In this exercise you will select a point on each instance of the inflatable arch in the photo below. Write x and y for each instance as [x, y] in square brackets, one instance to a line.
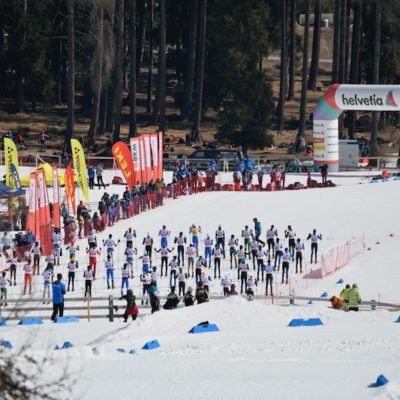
[337, 99]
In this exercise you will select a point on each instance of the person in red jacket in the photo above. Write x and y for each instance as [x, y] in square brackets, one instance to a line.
[131, 307]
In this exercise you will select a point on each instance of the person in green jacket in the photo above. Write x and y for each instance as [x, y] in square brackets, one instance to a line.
[343, 293]
[353, 298]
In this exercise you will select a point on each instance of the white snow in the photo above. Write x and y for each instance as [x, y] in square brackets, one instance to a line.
[255, 354]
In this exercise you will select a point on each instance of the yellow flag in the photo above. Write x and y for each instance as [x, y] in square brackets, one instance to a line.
[80, 167]
[11, 157]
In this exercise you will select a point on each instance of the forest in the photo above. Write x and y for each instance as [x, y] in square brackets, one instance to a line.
[123, 65]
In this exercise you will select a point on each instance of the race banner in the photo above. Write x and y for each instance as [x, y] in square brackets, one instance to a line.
[46, 239]
[135, 152]
[142, 160]
[44, 209]
[15, 176]
[154, 153]
[56, 199]
[160, 154]
[70, 188]
[147, 151]
[80, 167]
[11, 157]
[30, 220]
[123, 158]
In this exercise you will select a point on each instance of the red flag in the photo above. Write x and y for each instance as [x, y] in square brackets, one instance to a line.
[123, 158]
[30, 222]
[135, 152]
[160, 155]
[56, 199]
[44, 212]
[70, 188]
[154, 154]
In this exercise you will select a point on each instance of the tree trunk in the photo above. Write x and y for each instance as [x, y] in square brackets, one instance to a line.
[373, 149]
[140, 32]
[119, 67]
[201, 50]
[149, 107]
[354, 63]
[292, 49]
[190, 63]
[342, 44]
[162, 73]
[96, 79]
[283, 67]
[312, 80]
[20, 68]
[336, 41]
[347, 45]
[132, 78]
[71, 74]
[300, 139]
[103, 110]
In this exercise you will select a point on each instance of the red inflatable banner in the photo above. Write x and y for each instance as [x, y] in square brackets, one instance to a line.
[123, 158]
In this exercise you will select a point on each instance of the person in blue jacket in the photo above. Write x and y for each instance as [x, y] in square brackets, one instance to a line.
[58, 297]
[90, 173]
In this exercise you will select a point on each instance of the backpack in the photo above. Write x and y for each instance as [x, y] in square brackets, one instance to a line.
[117, 181]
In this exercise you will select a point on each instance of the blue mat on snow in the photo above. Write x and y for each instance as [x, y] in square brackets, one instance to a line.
[31, 321]
[380, 381]
[203, 328]
[305, 322]
[151, 345]
[64, 320]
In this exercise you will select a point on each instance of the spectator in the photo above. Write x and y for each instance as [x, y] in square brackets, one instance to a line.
[131, 307]
[91, 177]
[353, 298]
[201, 294]
[99, 174]
[172, 300]
[324, 173]
[42, 139]
[188, 299]
[58, 297]
[233, 291]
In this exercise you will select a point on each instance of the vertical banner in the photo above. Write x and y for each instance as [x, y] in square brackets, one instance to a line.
[30, 221]
[70, 188]
[142, 160]
[44, 210]
[154, 153]
[135, 151]
[37, 217]
[11, 157]
[56, 199]
[123, 158]
[147, 151]
[160, 155]
[80, 167]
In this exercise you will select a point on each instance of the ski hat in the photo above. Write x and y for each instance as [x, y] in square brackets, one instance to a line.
[190, 289]
[129, 291]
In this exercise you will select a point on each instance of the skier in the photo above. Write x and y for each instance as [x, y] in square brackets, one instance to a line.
[181, 241]
[130, 252]
[205, 279]
[72, 250]
[109, 271]
[50, 261]
[188, 299]
[148, 245]
[129, 236]
[37, 252]
[173, 268]
[199, 268]
[233, 243]
[217, 254]
[164, 234]
[181, 282]
[28, 270]
[93, 253]
[13, 267]
[110, 245]
[220, 239]
[271, 233]
[125, 278]
[154, 274]
[299, 255]
[278, 253]
[146, 262]
[243, 267]
[154, 297]
[195, 232]
[56, 240]
[71, 266]
[92, 240]
[191, 252]
[250, 288]
[146, 280]
[286, 258]
[314, 244]
[246, 235]
[254, 249]
[164, 258]
[257, 231]
[260, 262]
[291, 236]
[208, 243]
[225, 283]
[4, 283]
[131, 307]
[269, 277]
[88, 276]
[47, 279]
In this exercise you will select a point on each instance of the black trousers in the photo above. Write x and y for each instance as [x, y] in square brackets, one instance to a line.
[100, 181]
[260, 267]
[164, 261]
[57, 309]
[181, 255]
[268, 281]
[91, 182]
[243, 280]
[314, 250]
[292, 245]
[221, 243]
[271, 244]
[285, 271]
[172, 278]
[254, 256]
[198, 275]
[181, 288]
[88, 288]
[299, 260]
[149, 249]
[217, 264]
[71, 279]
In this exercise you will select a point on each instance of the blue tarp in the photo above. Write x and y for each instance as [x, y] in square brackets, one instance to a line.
[7, 192]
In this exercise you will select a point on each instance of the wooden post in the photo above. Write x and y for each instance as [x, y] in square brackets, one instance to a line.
[373, 305]
[111, 308]
[88, 308]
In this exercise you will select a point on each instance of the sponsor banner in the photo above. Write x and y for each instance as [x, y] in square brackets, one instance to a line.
[154, 153]
[135, 152]
[44, 209]
[160, 154]
[147, 151]
[326, 144]
[15, 176]
[80, 167]
[56, 199]
[123, 158]
[11, 158]
[32, 201]
[142, 160]
[46, 239]
[70, 188]
[368, 97]
[318, 147]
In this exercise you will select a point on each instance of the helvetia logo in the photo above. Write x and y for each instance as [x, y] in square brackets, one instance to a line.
[357, 100]
[390, 101]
